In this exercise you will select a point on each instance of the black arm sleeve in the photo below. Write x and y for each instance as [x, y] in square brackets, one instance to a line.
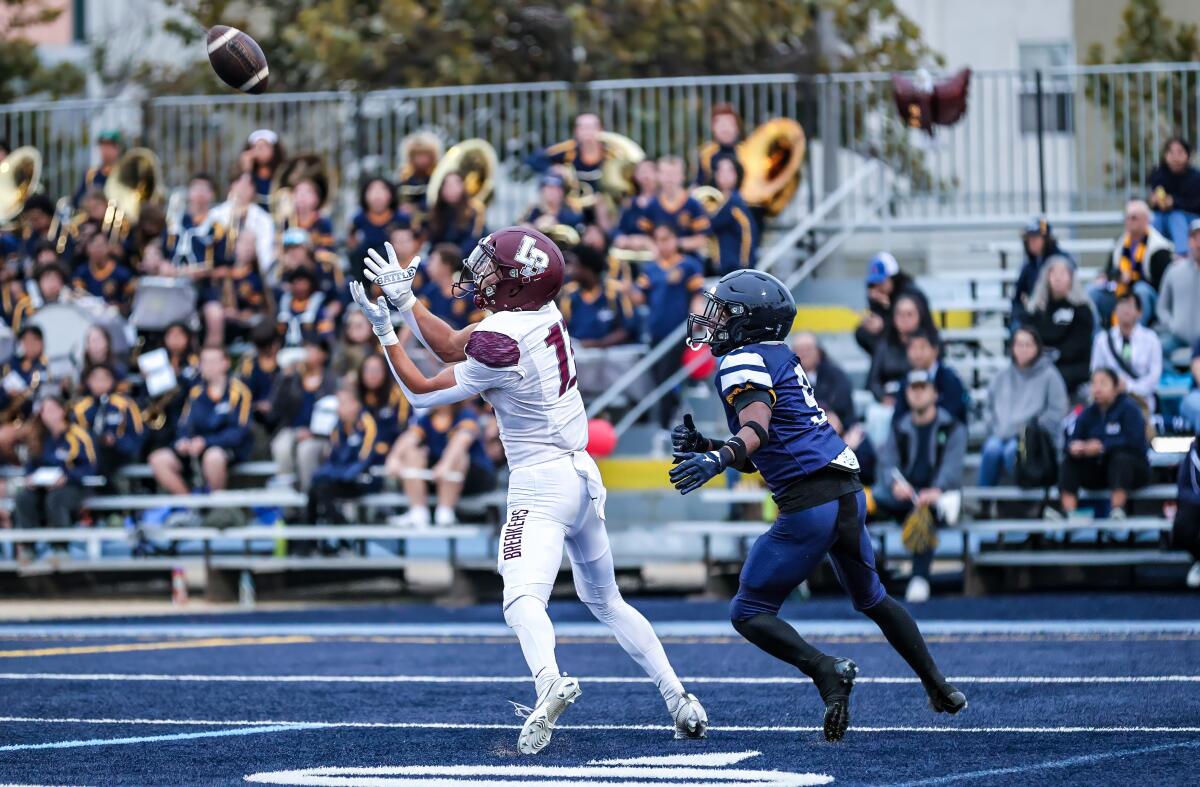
[740, 402]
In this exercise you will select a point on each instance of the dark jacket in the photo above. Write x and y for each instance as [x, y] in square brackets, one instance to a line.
[1067, 328]
[1184, 188]
[292, 405]
[73, 452]
[948, 448]
[1120, 428]
[352, 451]
[833, 390]
[889, 365]
[1028, 277]
[1189, 478]
[952, 394]
[116, 416]
[904, 285]
[223, 422]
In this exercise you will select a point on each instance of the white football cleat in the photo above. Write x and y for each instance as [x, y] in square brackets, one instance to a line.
[539, 724]
[690, 719]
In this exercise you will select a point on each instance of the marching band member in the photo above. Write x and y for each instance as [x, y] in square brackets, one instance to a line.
[108, 145]
[734, 228]
[379, 209]
[673, 206]
[727, 133]
[420, 154]
[262, 157]
[551, 207]
[456, 217]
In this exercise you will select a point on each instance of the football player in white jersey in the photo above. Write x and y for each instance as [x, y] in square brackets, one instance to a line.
[519, 359]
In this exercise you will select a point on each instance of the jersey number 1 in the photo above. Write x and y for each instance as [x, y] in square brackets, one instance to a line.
[557, 339]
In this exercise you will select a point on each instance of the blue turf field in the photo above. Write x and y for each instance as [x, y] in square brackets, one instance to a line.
[1090, 689]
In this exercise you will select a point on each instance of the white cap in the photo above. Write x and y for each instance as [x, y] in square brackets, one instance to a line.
[264, 134]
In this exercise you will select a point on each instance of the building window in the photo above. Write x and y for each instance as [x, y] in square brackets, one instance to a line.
[1058, 98]
[78, 23]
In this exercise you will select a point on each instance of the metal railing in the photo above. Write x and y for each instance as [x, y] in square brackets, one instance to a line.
[1061, 140]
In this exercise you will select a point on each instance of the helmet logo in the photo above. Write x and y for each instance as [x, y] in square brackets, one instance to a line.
[533, 260]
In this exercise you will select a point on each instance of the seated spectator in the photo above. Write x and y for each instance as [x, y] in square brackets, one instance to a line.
[214, 429]
[669, 287]
[551, 209]
[673, 206]
[15, 304]
[354, 448]
[923, 351]
[196, 243]
[51, 280]
[21, 377]
[1139, 260]
[259, 372]
[304, 310]
[1106, 447]
[1179, 298]
[831, 386]
[36, 217]
[455, 217]
[61, 456]
[885, 283]
[357, 343]
[1040, 246]
[98, 349]
[631, 230]
[295, 449]
[419, 155]
[162, 412]
[446, 441]
[1061, 314]
[1131, 350]
[113, 420]
[1030, 390]
[103, 277]
[597, 311]
[1185, 531]
[889, 364]
[240, 214]
[378, 212]
[734, 228]
[1174, 187]
[441, 270]
[381, 397]
[921, 461]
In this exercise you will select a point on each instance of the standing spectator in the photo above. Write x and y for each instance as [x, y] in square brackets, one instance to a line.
[1139, 260]
[889, 364]
[357, 343]
[675, 207]
[1031, 389]
[354, 448]
[631, 230]
[551, 208]
[108, 147]
[885, 284]
[378, 212]
[456, 217]
[446, 441]
[1185, 531]
[295, 449]
[921, 461]
[419, 153]
[214, 429]
[668, 287]
[1040, 246]
[726, 126]
[923, 351]
[1179, 298]
[442, 270]
[597, 311]
[308, 198]
[36, 216]
[1174, 187]
[831, 386]
[261, 159]
[103, 277]
[1061, 314]
[1131, 350]
[1106, 448]
[61, 456]
[113, 420]
[586, 154]
[734, 229]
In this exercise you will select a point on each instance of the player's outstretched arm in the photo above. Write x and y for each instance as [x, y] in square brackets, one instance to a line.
[695, 468]
[396, 281]
[420, 390]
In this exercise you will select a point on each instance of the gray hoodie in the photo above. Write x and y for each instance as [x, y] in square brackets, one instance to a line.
[1179, 299]
[1018, 395]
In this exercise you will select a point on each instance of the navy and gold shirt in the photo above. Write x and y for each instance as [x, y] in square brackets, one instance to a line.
[111, 282]
[197, 244]
[391, 413]
[353, 449]
[668, 286]
[258, 374]
[438, 425]
[73, 452]
[18, 404]
[114, 416]
[457, 312]
[736, 235]
[685, 214]
[318, 227]
[710, 153]
[223, 422]
[596, 313]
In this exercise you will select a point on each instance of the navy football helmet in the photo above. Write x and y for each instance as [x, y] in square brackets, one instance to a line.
[744, 307]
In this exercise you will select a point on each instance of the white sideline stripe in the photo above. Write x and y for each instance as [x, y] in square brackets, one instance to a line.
[677, 628]
[436, 725]
[146, 677]
[225, 38]
[259, 730]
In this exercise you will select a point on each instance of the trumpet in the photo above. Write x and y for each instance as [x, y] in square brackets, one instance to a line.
[20, 179]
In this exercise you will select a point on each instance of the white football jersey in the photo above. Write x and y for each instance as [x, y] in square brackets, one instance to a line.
[521, 363]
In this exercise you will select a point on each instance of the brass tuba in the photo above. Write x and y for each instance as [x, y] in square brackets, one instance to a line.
[136, 180]
[622, 155]
[475, 160]
[709, 197]
[772, 157]
[20, 179]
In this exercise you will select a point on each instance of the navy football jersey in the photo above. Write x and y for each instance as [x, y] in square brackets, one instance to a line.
[800, 440]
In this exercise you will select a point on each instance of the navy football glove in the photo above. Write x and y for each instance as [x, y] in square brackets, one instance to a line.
[686, 438]
[695, 470]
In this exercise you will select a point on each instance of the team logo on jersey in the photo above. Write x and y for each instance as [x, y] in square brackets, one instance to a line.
[510, 544]
[533, 260]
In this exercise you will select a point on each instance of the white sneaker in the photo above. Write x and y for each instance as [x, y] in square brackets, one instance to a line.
[416, 518]
[918, 590]
[539, 724]
[690, 719]
[1193, 577]
[444, 516]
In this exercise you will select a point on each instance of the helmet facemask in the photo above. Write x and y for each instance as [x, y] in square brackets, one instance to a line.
[712, 327]
[480, 275]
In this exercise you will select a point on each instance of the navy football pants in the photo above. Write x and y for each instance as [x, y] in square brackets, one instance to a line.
[785, 555]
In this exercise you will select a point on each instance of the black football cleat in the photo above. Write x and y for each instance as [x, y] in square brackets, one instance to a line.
[835, 683]
[946, 699]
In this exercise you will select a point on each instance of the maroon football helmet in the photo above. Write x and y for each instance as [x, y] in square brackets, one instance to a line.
[514, 269]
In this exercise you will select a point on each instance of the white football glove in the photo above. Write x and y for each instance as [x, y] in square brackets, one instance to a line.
[395, 281]
[377, 313]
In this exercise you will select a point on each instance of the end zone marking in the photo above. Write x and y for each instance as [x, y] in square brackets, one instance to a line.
[130, 647]
[183, 736]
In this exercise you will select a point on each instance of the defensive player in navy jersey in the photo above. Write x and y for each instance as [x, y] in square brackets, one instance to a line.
[779, 430]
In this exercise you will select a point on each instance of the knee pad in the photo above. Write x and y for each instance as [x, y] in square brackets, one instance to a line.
[746, 604]
[539, 594]
[606, 611]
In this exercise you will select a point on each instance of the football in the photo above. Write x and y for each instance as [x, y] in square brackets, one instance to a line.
[238, 59]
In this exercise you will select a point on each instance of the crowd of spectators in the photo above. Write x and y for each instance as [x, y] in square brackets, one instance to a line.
[266, 363]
